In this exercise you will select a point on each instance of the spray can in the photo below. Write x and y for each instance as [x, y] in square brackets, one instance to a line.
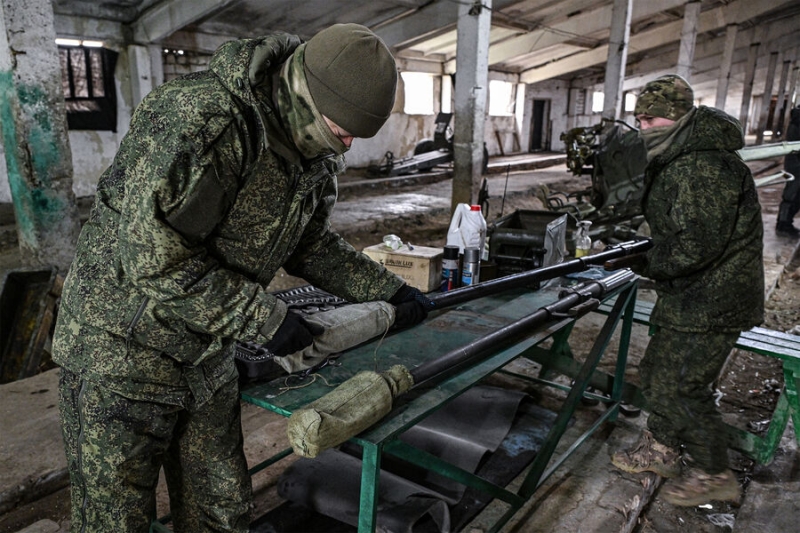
[472, 267]
[450, 274]
[583, 243]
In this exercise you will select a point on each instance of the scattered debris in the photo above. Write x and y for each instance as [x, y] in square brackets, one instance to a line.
[629, 507]
[722, 519]
[718, 394]
[758, 425]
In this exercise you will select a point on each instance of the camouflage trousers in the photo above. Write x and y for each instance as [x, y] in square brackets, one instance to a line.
[117, 446]
[677, 372]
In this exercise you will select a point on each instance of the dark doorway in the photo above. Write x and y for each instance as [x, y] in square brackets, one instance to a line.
[540, 132]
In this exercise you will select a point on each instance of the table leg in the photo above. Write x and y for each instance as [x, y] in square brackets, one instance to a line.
[370, 475]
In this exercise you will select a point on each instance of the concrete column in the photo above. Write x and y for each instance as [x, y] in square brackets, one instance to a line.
[767, 98]
[791, 86]
[572, 107]
[749, 78]
[792, 100]
[617, 57]
[471, 89]
[147, 70]
[691, 14]
[34, 134]
[156, 64]
[777, 121]
[725, 68]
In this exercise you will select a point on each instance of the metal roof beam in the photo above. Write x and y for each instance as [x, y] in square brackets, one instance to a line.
[573, 29]
[431, 19]
[737, 11]
[167, 17]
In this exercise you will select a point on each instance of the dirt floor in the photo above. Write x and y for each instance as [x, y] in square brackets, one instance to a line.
[749, 385]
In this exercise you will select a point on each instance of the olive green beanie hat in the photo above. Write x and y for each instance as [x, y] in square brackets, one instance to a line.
[352, 77]
[669, 96]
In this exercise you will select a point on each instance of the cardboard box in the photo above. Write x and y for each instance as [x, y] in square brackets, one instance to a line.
[420, 267]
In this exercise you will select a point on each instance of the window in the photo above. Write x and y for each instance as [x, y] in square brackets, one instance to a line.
[87, 78]
[630, 102]
[418, 93]
[447, 94]
[597, 102]
[501, 98]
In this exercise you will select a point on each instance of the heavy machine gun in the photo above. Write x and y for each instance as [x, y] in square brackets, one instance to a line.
[612, 153]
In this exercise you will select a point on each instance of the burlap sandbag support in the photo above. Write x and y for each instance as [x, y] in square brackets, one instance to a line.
[345, 327]
[349, 409]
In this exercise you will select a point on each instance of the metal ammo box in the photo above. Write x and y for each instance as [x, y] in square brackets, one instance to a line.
[527, 239]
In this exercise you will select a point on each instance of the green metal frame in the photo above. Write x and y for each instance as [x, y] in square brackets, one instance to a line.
[466, 323]
[787, 348]
[762, 341]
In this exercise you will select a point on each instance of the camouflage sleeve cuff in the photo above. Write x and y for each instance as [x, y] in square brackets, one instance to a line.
[276, 317]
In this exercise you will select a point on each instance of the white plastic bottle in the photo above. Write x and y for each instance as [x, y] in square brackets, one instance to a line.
[467, 228]
[583, 243]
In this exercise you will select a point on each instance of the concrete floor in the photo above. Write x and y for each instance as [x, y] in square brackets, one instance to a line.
[586, 494]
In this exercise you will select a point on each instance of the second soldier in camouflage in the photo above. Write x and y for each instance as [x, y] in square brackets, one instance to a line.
[701, 205]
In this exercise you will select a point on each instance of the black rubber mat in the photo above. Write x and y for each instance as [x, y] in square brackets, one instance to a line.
[518, 449]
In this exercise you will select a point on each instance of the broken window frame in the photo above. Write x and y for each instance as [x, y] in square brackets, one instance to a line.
[96, 109]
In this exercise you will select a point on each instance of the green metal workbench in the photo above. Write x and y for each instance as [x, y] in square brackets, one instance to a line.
[447, 330]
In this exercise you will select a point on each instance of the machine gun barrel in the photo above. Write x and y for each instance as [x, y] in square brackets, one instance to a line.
[485, 288]
[571, 302]
[767, 151]
[367, 397]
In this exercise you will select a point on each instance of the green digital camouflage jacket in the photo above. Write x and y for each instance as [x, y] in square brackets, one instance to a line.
[204, 202]
[705, 219]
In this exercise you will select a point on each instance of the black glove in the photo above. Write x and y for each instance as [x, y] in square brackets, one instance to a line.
[294, 334]
[411, 307]
[407, 293]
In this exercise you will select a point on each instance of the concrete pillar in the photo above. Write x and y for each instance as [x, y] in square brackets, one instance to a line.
[34, 134]
[147, 70]
[471, 89]
[747, 88]
[791, 94]
[777, 121]
[691, 14]
[767, 98]
[725, 67]
[617, 57]
[572, 106]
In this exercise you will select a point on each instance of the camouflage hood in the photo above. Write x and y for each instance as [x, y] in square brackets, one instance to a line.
[245, 64]
[267, 74]
[710, 129]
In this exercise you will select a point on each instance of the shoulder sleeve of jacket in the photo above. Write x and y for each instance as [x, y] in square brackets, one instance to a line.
[326, 260]
[701, 218]
[177, 171]
[196, 208]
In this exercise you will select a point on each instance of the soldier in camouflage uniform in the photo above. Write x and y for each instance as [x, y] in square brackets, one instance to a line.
[701, 205]
[225, 176]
